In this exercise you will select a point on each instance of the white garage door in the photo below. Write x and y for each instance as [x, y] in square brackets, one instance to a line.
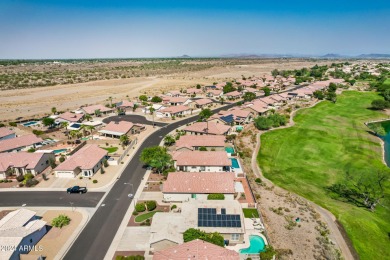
[64, 174]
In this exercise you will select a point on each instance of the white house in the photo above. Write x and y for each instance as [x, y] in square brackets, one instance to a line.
[201, 161]
[179, 110]
[194, 142]
[23, 162]
[183, 186]
[69, 117]
[87, 161]
[20, 231]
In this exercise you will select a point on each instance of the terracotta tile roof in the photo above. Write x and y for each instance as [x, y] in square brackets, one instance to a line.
[85, 158]
[277, 97]
[4, 131]
[215, 92]
[197, 250]
[71, 117]
[201, 140]
[233, 94]
[199, 182]
[268, 100]
[258, 106]
[237, 112]
[125, 103]
[213, 128]
[121, 127]
[93, 108]
[194, 91]
[21, 159]
[175, 109]
[177, 99]
[203, 101]
[18, 142]
[201, 158]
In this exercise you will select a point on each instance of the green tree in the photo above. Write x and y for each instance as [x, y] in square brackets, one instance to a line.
[214, 238]
[143, 98]
[135, 106]
[156, 157]
[267, 91]
[48, 121]
[228, 88]
[205, 114]
[330, 95]
[88, 117]
[386, 94]
[156, 99]
[319, 94]
[54, 110]
[275, 72]
[249, 96]
[377, 128]
[98, 113]
[169, 140]
[263, 123]
[268, 253]
[124, 140]
[380, 104]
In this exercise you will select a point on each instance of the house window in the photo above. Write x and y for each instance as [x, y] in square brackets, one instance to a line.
[202, 168]
[235, 237]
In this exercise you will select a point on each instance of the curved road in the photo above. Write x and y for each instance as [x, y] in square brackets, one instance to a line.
[96, 237]
[136, 119]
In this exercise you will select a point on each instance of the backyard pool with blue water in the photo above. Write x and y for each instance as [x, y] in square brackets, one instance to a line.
[229, 149]
[235, 163]
[30, 123]
[257, 245]
[59, 151]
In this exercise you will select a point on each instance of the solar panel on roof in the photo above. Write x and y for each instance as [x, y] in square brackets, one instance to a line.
[208, 217]
[223, 211]
[228, 118]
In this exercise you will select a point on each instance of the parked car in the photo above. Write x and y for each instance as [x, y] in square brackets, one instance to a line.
[76, 189]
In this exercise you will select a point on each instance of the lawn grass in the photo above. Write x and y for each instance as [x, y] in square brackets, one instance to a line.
[325, 142]
[250, 213]
[145, 216]
[111, 149]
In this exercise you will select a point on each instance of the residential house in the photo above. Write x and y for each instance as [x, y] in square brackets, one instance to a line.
[117, 129]
[233, 95]
[195, 214]
[174, 93]
[91, 110]
[174, 111]
[20, 143]
[15, 164]
[203, 102]
[87, 161]
[69, 118]
[6, 133]
[258, 107]
[183, 186]
[125, 105]
[156, 108]
[194, 142]
[20, 231]
[207, 128]
[201, 161]
[214, 93]
[194, 91]
[196, 249]
[236, 116]
[177, 101]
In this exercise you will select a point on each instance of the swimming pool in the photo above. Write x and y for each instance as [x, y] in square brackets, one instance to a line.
[229, 149]
[257, 245]
[59, 151]
[76, 126]
[30, 123]
[235, 163]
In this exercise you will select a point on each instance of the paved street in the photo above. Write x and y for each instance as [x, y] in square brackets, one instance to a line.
[49, 199]
[136, 119]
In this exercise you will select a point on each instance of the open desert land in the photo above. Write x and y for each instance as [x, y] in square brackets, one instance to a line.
[30, 101]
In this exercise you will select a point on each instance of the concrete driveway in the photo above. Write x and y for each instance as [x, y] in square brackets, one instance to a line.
[135, 239]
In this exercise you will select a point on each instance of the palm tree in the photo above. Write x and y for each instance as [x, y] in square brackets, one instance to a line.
[169, 140]
[221, 99]
[98, 112]
[90, 128]
[65, 125]
[84, 129]
[110, 98]
[88, 117]
[151, 110]
[75, 133]
[135, 107]
[124, 140]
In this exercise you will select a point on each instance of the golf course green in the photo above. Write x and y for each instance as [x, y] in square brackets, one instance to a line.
[326, 141]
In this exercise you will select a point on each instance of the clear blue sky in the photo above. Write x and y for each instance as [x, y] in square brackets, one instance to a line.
[152, 28]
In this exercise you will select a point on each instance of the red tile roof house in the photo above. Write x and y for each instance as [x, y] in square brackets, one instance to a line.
[69, 117]
[117, 129]
[194, 142]
[207, 128]
[125, 105]
[15, 164]
[196, 250]
[87, 161]
[182, 186]
[174, 111]
[280, 100]
[174, 93]
[233, 94]
[215, 93]
[6, 133]
[193, 91]
[177, 101]
[240, 116]
[91, 109]
[201, 161]
[20, 143]
[200, 103]
[257, 107]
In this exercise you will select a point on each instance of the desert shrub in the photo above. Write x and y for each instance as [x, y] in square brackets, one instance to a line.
[12, 124]
[38, 132]
[20, 178]
[258, 180]
[173, 207]
[62, 159]
[60, 221]
[31, 182]
[140, 207]
[216, 196]
[151, 205]
[95, 181]
[268, 254]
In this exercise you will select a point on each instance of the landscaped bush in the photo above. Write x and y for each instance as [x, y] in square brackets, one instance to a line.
[12, 124]
[135, 213]
[151, 205]
[173, 207]
[202, 148]
[258, 180]
[62, 159]
[60, 221]
[95, 181]
[105, 163]
[31, 182]
[140, 207]
[268, 254]
[38, 132]
[214, 238]
[20, 178]
[216, 196]
[131, 257]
